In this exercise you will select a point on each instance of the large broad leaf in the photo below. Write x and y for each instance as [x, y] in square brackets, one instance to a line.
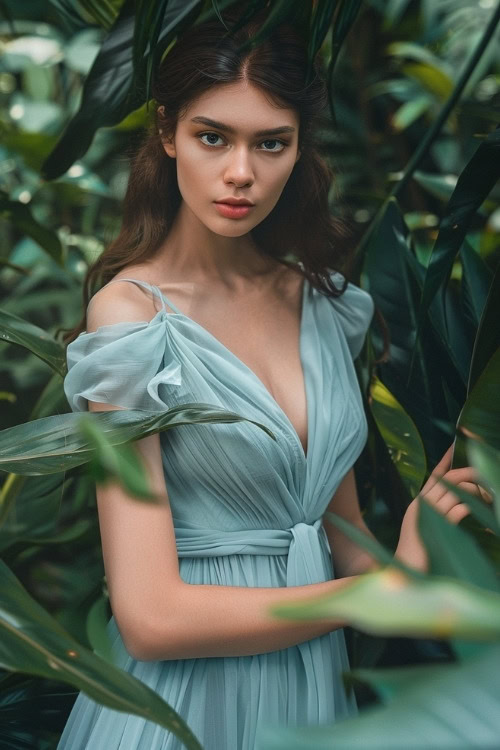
[108, 94]
[342, 24]
[393, 277]
[487, 462]
[480, 414]
[388, 602]
[458, 708]
[488, 334]
[477, 507]
[476, 282]
[400, 435]
[453, 552]
[389, 280]
[15, 330]
[22, 218]
[473, 185]
[32, 641]
[57, 443]
[37, 510]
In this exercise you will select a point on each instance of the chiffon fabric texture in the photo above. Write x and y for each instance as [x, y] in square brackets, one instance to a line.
[247, 511]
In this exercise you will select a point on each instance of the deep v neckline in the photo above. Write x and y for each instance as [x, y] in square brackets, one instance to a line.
[302, 360]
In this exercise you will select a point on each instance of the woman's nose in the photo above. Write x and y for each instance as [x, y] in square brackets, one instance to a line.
[239, 169]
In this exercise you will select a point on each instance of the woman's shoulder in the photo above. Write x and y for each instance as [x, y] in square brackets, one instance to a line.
[131, 300]
[124, 355]
[354, 310]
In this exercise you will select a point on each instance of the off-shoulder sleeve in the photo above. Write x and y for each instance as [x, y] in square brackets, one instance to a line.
[354, 309]
[123, 364]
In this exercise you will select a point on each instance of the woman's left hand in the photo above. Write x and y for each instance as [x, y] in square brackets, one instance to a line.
[410, 548]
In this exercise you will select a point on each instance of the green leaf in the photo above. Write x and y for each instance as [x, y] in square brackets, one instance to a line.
[322, 18]
[400, 435]
[415, 52]
[120, 462]
[439, 185]
[342, 24]
[474, 184]
[487, 462]
[15, 330]
[476, 281]
[388, 602]
[480, 414]
[32, 641]
[56, 443]
[110, 92]
[390, 281]
[453, 552]
[478, 508]
[410, 111]
[96, 627]
[488, 334]
[382, 555]
[458, 708]
[393, 277]
[389, 683]
[20, 215]
[431, 78]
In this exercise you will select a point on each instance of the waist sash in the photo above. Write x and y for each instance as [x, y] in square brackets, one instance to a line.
[305, 544]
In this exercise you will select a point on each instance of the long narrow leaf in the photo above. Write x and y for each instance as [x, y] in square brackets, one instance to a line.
[478, 507]
[372, 546]
[108, 95]
[488, 334]
[387, 602]
[452, 551]
[56, 443]
[32, 641]
[487, 461]
[474, 184]
[21, 217]
[15, 330]
[458, 709]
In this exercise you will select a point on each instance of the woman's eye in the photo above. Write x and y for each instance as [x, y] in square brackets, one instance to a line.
[208, 135]
[212, 141]
[282, 145]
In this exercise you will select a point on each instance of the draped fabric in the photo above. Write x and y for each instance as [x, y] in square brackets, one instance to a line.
[247, 511]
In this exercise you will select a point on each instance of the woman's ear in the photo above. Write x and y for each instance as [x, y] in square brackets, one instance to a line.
[169, 146]
[167, 143]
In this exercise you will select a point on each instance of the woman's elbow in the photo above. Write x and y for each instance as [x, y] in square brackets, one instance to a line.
[145, 642]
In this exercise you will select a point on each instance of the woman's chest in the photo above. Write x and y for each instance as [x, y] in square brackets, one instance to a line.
[268, 344]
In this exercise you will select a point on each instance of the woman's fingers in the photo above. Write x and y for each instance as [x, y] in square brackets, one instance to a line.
[450, 505]
[449, 499]
[455, 476]
[484, 494]
[458, 513]
[440, 469]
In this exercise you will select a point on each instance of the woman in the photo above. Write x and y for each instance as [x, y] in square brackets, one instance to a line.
[201, 303]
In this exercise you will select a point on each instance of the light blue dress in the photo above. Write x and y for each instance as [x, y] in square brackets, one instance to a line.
[247, 511]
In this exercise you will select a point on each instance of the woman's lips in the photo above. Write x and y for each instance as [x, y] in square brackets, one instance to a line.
[232, 211]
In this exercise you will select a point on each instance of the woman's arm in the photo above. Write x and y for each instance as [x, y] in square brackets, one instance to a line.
[159, 615]
[348, 558]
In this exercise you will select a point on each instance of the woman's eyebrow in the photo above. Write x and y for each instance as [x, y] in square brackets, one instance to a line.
[229, 129]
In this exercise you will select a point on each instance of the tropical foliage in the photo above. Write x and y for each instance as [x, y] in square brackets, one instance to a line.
[414, 141]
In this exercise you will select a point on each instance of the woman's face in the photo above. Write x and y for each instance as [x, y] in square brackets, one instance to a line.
[229, 158]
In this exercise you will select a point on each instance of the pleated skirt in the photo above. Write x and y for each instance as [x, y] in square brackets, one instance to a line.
[228, 702]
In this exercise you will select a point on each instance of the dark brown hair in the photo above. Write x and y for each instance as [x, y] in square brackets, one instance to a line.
[300, 225]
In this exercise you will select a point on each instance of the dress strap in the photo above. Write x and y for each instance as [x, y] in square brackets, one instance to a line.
[156, 290]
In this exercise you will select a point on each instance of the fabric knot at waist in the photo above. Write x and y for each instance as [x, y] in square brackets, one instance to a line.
[305, 544]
